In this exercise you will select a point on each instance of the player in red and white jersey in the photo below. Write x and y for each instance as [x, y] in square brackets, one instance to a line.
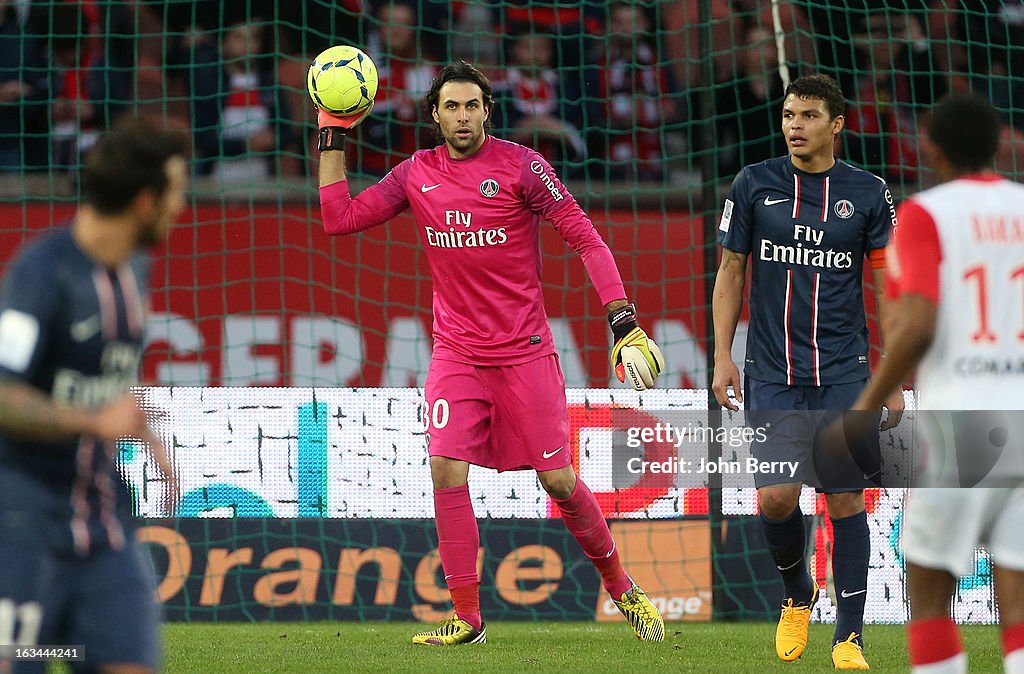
[957, 269]
[494, 391]
[962, 249]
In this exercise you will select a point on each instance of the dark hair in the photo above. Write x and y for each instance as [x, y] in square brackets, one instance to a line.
[821, 87]
[126, 160]
[458, 72]
[966, 128]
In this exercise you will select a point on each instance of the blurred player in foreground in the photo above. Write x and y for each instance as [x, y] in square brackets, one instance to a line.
[806, 222]
[495, 393]
[72, 314]
[956, 267]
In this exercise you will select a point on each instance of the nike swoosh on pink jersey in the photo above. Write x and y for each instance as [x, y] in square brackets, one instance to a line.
[548, 455]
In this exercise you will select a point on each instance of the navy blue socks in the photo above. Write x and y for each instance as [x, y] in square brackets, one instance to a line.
[787, 541]
[850, 556]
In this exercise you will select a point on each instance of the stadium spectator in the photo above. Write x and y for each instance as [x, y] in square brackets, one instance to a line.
[836, 25]
[494, 390]
[476, 38]
[897, 82]
[730, 21]
[983, 50]
[682, 28]
[239, 112]
[89, 86]
[72, 313]
[158, 95]
[635, 89]
[531, 102]
[807, 342]
[24, 90]
[938, 324]
[572, 27]
[682, 40]
[573, 30]
[747, 105]
[405, 71]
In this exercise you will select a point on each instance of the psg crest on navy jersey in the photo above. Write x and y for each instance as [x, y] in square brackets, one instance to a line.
[844, 208]
[489, 187]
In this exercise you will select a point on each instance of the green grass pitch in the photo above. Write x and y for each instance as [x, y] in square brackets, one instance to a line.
[514, 647]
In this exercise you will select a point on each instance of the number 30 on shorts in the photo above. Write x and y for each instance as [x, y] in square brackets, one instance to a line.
[437, 415]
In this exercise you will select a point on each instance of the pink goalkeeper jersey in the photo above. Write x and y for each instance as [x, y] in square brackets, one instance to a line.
[479, 220]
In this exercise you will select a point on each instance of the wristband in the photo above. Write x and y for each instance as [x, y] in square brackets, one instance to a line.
[622, 320]
[332, 138]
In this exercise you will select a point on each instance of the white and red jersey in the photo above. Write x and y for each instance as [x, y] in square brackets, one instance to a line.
[961, 245]
[478, 219]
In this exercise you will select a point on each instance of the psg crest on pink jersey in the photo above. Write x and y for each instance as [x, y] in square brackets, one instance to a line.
[844, 208]
[489, 187]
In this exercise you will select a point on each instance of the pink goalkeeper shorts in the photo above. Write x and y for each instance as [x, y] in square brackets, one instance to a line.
[508, 417]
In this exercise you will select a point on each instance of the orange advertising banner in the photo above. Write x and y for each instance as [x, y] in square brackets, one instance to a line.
[671, 561]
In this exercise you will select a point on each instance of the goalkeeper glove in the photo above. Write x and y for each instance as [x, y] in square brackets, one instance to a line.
[334, 127]
[634, 355]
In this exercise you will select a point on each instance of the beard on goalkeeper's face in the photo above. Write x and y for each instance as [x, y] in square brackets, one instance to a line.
[464, 139]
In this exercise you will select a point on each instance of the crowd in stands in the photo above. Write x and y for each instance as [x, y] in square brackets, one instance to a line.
[611, 92]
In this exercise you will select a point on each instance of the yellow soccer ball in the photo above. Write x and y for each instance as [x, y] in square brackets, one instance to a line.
[342, 80]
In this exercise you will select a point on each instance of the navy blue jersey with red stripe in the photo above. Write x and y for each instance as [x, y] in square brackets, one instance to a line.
[72, 329]
[807, 235]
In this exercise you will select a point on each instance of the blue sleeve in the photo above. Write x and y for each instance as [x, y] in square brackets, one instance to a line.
[735, 229]
[28, 303]
[883, 220]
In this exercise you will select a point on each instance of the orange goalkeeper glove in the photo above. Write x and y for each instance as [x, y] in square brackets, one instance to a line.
[334, 127]
[635, 357]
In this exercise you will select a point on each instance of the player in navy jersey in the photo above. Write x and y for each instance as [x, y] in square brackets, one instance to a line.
[494, 392]
[806, 222]
[72, 314]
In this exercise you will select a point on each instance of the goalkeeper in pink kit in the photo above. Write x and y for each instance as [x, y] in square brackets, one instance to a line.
[494, 391]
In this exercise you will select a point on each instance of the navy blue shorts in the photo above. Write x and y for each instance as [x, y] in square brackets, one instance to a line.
[105, 601]
[795, 415]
